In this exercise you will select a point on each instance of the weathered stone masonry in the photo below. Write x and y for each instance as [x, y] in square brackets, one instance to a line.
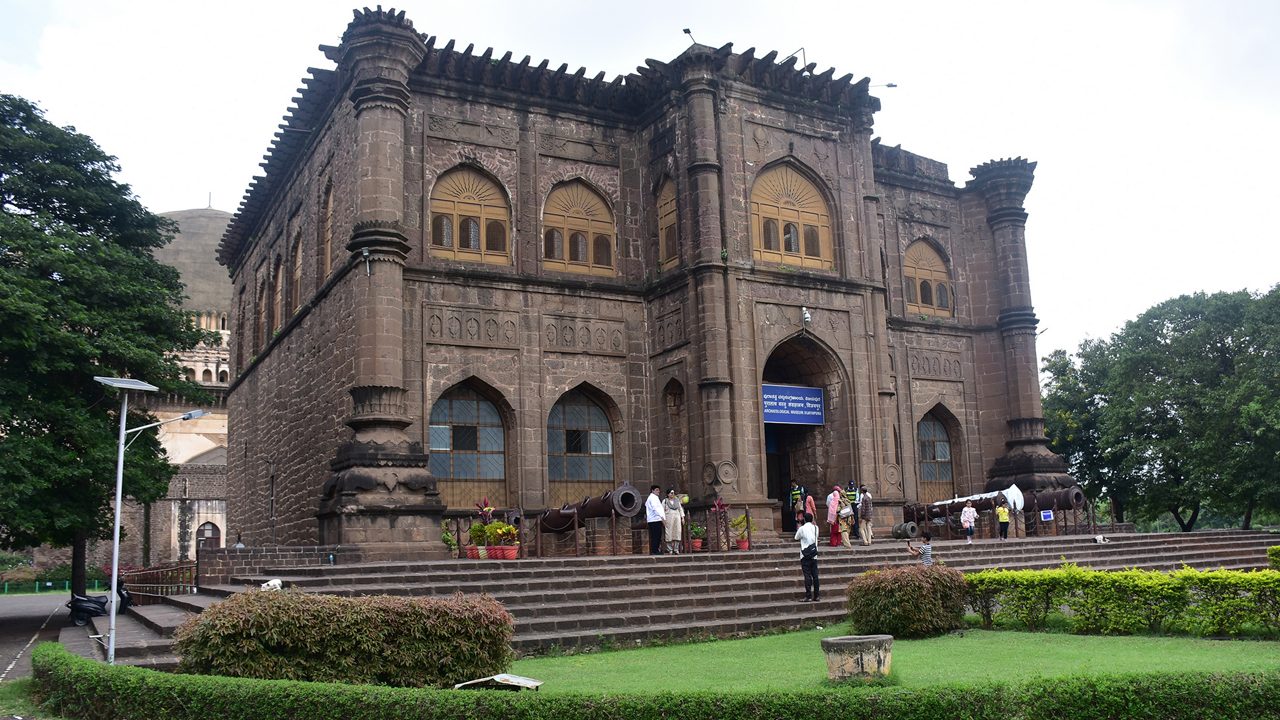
[803, 252]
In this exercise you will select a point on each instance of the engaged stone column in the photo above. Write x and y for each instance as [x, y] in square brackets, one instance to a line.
[381, 491]
[858, 656]
[1028, 462]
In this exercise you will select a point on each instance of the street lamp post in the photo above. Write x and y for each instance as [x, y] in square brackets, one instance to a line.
[125, 384]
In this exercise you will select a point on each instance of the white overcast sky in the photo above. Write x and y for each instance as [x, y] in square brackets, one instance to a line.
[1154, 124]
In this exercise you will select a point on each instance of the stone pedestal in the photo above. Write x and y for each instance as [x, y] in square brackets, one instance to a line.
[858, 656]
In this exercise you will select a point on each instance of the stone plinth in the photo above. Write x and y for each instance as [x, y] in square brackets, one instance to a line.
[858, 656]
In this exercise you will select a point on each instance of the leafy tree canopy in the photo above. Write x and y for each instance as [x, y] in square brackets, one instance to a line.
[80, 295]
[1177, 412]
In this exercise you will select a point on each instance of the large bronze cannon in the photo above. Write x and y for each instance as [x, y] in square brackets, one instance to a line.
[1069, 498]
[625, 500]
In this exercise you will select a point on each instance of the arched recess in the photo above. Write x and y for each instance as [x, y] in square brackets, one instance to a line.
[578, 230]
[791, 218]
[938, 442]
[208, 535]
[926, 281]
[675, 455]
[468, 440]
[581, 453]
[668, 226]
[818, 456]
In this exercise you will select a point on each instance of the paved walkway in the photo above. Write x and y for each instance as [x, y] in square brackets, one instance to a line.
[24, 621]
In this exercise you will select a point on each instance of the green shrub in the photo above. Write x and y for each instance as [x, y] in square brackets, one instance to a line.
[1273, 557]
[74, 687]
[9, 561]
[61, 573]
[908, 602]
[1122, 603]
[381, 640]
[24, 574]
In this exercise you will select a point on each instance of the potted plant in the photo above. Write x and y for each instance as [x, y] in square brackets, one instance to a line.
[697, 534]
[743, 527]
[502, 540]
[477, 534]
[449, 541]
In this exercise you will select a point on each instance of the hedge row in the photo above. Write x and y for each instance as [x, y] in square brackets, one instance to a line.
[81, 689]
[1273, 557]
[385, 640]
[1214, 602]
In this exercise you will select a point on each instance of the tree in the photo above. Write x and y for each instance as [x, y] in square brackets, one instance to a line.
[80, 295]
[1177, 411]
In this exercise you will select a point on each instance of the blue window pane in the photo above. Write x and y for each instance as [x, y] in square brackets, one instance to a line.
[438, 464]
[488, 414]
[944, 472]
[555, 467]
[490, 439]
[464, 465]
[464, 411]
[601, 443]
[575, 416]
[602, 468]
[943, 450]
[438, 437]
[596, 418]
[555, 440]
[556, 418]
[575, 468]
[928, 472]
[490, 467]
[440, 412]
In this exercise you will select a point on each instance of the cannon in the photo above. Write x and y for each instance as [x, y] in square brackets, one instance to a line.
[625, 501]
[1069, 498]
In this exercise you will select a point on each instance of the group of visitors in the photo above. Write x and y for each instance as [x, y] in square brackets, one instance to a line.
[665, 518]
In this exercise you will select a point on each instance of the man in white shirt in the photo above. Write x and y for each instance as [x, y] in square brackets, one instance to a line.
[807, 534]
[653, 516]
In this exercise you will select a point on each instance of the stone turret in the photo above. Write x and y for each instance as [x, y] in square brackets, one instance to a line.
[1027, 462]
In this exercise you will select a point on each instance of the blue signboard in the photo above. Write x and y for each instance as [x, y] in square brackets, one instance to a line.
[1046, 515]
[793, 404]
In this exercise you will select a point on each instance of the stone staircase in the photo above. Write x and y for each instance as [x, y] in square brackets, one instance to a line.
[627, 600]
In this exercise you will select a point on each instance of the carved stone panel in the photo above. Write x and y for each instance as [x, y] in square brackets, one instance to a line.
[473, 326]
[472, 132]
[600, 153]
[670, 326]
[934, 364]
[566, 334]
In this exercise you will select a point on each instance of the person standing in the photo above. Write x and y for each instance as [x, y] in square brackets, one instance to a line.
[673, 522]
[653, 515]
[834, 503]
[864, 514]
[797, 496]
[968, 519]
[1002, 516]
[807, 534]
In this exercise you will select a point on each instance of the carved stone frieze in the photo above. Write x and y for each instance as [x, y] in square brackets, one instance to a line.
[566, 334]
[600, 153]
[944, 343]
[670, 328]
[934, 365]
[472, 132]
[472, 326]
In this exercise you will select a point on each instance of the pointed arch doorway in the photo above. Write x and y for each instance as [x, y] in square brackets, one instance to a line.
[811, 448]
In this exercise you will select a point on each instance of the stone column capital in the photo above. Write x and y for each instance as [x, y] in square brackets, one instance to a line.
[1004, 185]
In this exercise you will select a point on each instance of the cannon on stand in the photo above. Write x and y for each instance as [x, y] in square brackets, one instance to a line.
[944, 512]
[584, 520]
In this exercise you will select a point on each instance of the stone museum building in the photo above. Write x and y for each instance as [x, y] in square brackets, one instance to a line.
[464, 275]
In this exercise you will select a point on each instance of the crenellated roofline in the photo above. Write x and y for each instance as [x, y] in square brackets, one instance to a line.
[621, 100]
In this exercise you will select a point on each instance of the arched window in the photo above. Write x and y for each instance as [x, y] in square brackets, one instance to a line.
[206, 376]
[937, 481]
[208, 536]
[222, 322]
[468, 448]
[469, 218]
[189, 374]
[295, 282]
[575, 211]
[925, 269]
[261, 329]
[784, 199]
[668, 232]
[276, 318]
[325, 245]
[222, 376]
[579, 449]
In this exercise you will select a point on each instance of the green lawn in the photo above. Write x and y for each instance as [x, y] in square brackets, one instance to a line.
[795, 661]
[15, 700]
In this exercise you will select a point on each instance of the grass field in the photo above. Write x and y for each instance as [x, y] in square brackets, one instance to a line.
[795, 661]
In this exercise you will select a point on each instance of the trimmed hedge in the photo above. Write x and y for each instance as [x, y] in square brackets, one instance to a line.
[908, 602]
[81, 689]
[1213, 602]
[1273, 557]
[382, 640]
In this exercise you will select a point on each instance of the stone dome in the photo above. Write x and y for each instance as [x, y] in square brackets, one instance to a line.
[194, 253]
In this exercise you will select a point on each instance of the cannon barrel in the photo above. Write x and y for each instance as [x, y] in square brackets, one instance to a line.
[1061, 498]
[623, 500]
